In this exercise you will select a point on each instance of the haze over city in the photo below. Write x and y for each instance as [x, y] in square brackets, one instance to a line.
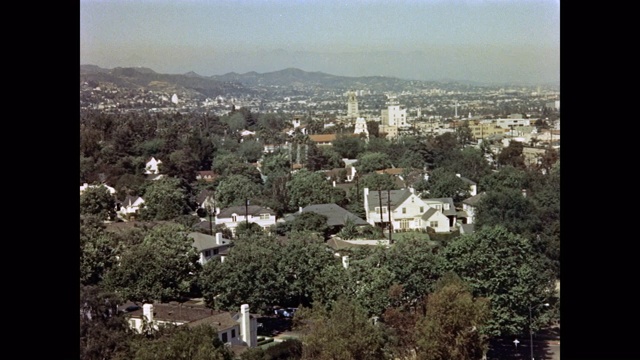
[493, 41]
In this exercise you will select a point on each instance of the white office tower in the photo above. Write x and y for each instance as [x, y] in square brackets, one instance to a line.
[352, 105]
[393, 115]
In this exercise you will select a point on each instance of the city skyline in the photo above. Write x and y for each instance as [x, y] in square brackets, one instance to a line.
[491, 41]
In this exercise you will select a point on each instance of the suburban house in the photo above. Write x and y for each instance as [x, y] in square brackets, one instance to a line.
[473, 187]
[151, 167]
[235, 329]
[336, 215]
[408, 210]
[323, 139]
[469, 206]
[336, 174]
[446, 206]
[210, 247]
[130, 206]
[206, 175]
[231, 217]
[206, 198]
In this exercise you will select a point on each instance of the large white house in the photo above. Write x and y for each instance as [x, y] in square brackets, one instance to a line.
[233, 216]
[408, 210]
[240, 329]
[210, 247]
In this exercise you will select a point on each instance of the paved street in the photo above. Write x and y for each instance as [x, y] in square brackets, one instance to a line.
[542, 350]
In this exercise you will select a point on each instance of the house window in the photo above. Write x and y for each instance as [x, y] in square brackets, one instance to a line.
[404, 210]
[264, 216]
[433, 224]
[224, 337]
[234, 218]
[215, 251]
[446, 206]
[384, 210]
[207, 253]
[404, 224]
[233, 333]
[439, 207]
[421, 209]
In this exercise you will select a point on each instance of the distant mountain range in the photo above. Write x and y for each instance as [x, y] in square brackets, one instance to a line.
[247, 83]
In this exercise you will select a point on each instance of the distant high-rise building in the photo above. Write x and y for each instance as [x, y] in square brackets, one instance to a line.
[352, 105]
[393, 115]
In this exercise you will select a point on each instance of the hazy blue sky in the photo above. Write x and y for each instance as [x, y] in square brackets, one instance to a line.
[474, 40]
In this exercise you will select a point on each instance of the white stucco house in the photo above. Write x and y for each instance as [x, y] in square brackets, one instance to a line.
[231, 217]
[408, 210]
[151, 168]
[469, 206]
[240, 329]
[130, 206]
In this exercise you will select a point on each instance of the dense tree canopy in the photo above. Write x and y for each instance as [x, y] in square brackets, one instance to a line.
[98, 201]
[453, 326]
[236, 190]
[344, 332]
[162, 267]
[308, 188]
[165, 199]
[505, 268]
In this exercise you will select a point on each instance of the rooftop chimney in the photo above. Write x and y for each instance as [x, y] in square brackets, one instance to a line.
[218, 238]
[245, 326]
[524, 192]
[300, 209]
[345, 261]
[147, 311]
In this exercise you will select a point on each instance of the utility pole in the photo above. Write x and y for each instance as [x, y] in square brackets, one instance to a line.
[246, 211]
[389, 212]
[380, 198]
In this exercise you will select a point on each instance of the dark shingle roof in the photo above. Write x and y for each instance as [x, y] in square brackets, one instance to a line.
[204, 241]
[397, 198]
[335, 214]
[428, 213]
[473, 201]
[202, 196]
[452, 208]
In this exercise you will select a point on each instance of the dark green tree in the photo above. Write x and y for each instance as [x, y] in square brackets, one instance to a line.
[369, 162]
[505, 268]
[104, 332]
[236, 190]
[183, 342]
[344, 332]
[98, 201]
[307, 188]
[348, 146]
[165, 199]
[453, 326]
[161, 268]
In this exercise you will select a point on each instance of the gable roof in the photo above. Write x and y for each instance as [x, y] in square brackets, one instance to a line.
[191, 315]
[336, 215]
[253, 210]
[473, 201]
[397, 197]
[429, 213]
[452, 209]
[202, 195]
[203, 241]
